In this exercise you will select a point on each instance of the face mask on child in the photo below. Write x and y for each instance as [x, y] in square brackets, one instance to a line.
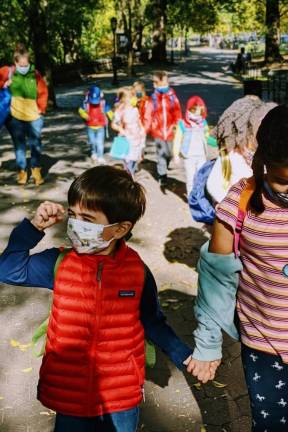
[139, 95]
[86, 237]
[278, 197]
[163, 90]
[195, 116]
[23, 70]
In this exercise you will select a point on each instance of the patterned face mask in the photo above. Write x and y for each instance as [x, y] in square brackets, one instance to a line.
[278, 197]
[87, 237]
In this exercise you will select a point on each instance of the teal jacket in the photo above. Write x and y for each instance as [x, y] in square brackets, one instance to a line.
[215, 303]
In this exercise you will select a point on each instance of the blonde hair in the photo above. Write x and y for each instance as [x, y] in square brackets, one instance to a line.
[139, 84]
[124, 93]
[20, 51]
[226, 166]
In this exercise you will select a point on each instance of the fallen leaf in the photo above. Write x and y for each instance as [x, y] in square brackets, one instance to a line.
[218, 384]
[27, 370]
[14, 343]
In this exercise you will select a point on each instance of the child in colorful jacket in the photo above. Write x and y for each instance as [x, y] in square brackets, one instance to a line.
[94, 111]
[28, 105]
[127, 123]
[191, 139]
[165, 112]
[104, 302]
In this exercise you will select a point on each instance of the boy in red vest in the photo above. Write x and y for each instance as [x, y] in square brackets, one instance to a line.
[165, 112]
[95, 111]
[104, 304]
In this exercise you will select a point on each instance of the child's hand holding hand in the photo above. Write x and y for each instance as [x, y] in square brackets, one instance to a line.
[203, 370]
[47, 214]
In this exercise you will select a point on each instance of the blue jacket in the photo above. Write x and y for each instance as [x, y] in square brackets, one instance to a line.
[18, 267]
[216, 302]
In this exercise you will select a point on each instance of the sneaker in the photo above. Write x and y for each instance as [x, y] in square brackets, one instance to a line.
[102, 161]
[36, 174]
[22, 177]
[163, 180]
[94, 159]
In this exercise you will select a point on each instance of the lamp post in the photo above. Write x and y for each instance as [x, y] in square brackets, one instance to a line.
[114, 60]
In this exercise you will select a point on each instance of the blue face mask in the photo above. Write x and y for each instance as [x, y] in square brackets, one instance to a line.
[163, 90]
[23, 70]
[139, 95]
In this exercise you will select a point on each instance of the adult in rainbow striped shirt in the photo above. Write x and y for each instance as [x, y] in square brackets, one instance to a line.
[28, 104]
[255, 282]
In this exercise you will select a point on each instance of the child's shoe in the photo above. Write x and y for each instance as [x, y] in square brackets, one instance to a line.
[22, 177]
[36, 174]
[101, 161]
[94, 159]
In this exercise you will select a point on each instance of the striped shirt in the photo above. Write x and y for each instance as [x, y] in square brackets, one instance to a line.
[262, 299]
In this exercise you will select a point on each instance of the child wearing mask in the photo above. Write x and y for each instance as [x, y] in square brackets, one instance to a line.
[245, 265]
[29, 100]
[164, 114]
[127, 123]
[104, 303]
[192, 139]
[143, 103]
[94, 111]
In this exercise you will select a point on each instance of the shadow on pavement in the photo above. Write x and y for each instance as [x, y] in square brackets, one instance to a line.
[183, 245]
[181, 406]
[173, 185]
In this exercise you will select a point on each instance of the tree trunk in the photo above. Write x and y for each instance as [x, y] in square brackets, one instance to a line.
[272, 49]
[38, 29]
[159, 53]
[139, 37]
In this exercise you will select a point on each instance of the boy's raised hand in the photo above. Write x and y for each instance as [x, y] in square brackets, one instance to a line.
[204, 371]
[48, 214]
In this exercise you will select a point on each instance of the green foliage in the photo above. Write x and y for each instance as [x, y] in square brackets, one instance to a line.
[81, 30]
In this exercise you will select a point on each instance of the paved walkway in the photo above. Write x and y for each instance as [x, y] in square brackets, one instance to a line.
[167, 239]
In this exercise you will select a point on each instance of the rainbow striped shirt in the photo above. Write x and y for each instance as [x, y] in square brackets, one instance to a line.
[262, 299]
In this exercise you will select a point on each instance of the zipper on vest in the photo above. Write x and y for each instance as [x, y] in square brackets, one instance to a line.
[99, 273]
[96, 330]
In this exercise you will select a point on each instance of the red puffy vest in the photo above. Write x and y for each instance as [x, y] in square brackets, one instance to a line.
[96, 115]
[94, 360]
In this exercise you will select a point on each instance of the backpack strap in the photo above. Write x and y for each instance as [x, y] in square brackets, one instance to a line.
[41, 330]
[242, 210]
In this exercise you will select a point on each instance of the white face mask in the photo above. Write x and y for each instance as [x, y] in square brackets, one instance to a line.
[86, 237]
[23, 70]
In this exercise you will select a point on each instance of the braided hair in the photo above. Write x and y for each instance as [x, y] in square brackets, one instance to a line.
[272, 150]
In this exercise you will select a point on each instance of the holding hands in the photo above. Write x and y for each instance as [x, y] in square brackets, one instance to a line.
[204, 371]
[48, 214]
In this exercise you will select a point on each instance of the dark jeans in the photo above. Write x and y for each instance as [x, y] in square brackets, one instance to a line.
[164, 155]
[122, 421]
[267, 380]
[22, 131]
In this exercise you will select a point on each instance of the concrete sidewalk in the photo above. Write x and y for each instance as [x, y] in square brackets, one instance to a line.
[167, 239]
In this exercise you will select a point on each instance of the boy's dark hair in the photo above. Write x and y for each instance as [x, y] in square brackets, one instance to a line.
[272, 150]
[111, 191]
[20, 51]
[160, 75]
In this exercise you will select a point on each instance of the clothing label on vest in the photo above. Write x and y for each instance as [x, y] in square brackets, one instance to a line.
[126, 293]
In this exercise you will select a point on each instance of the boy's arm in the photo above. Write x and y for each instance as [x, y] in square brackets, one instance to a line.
[155, 326]
[177, 112]
[18, 267]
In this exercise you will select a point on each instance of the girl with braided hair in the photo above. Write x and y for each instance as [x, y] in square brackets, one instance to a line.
[262, 289]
